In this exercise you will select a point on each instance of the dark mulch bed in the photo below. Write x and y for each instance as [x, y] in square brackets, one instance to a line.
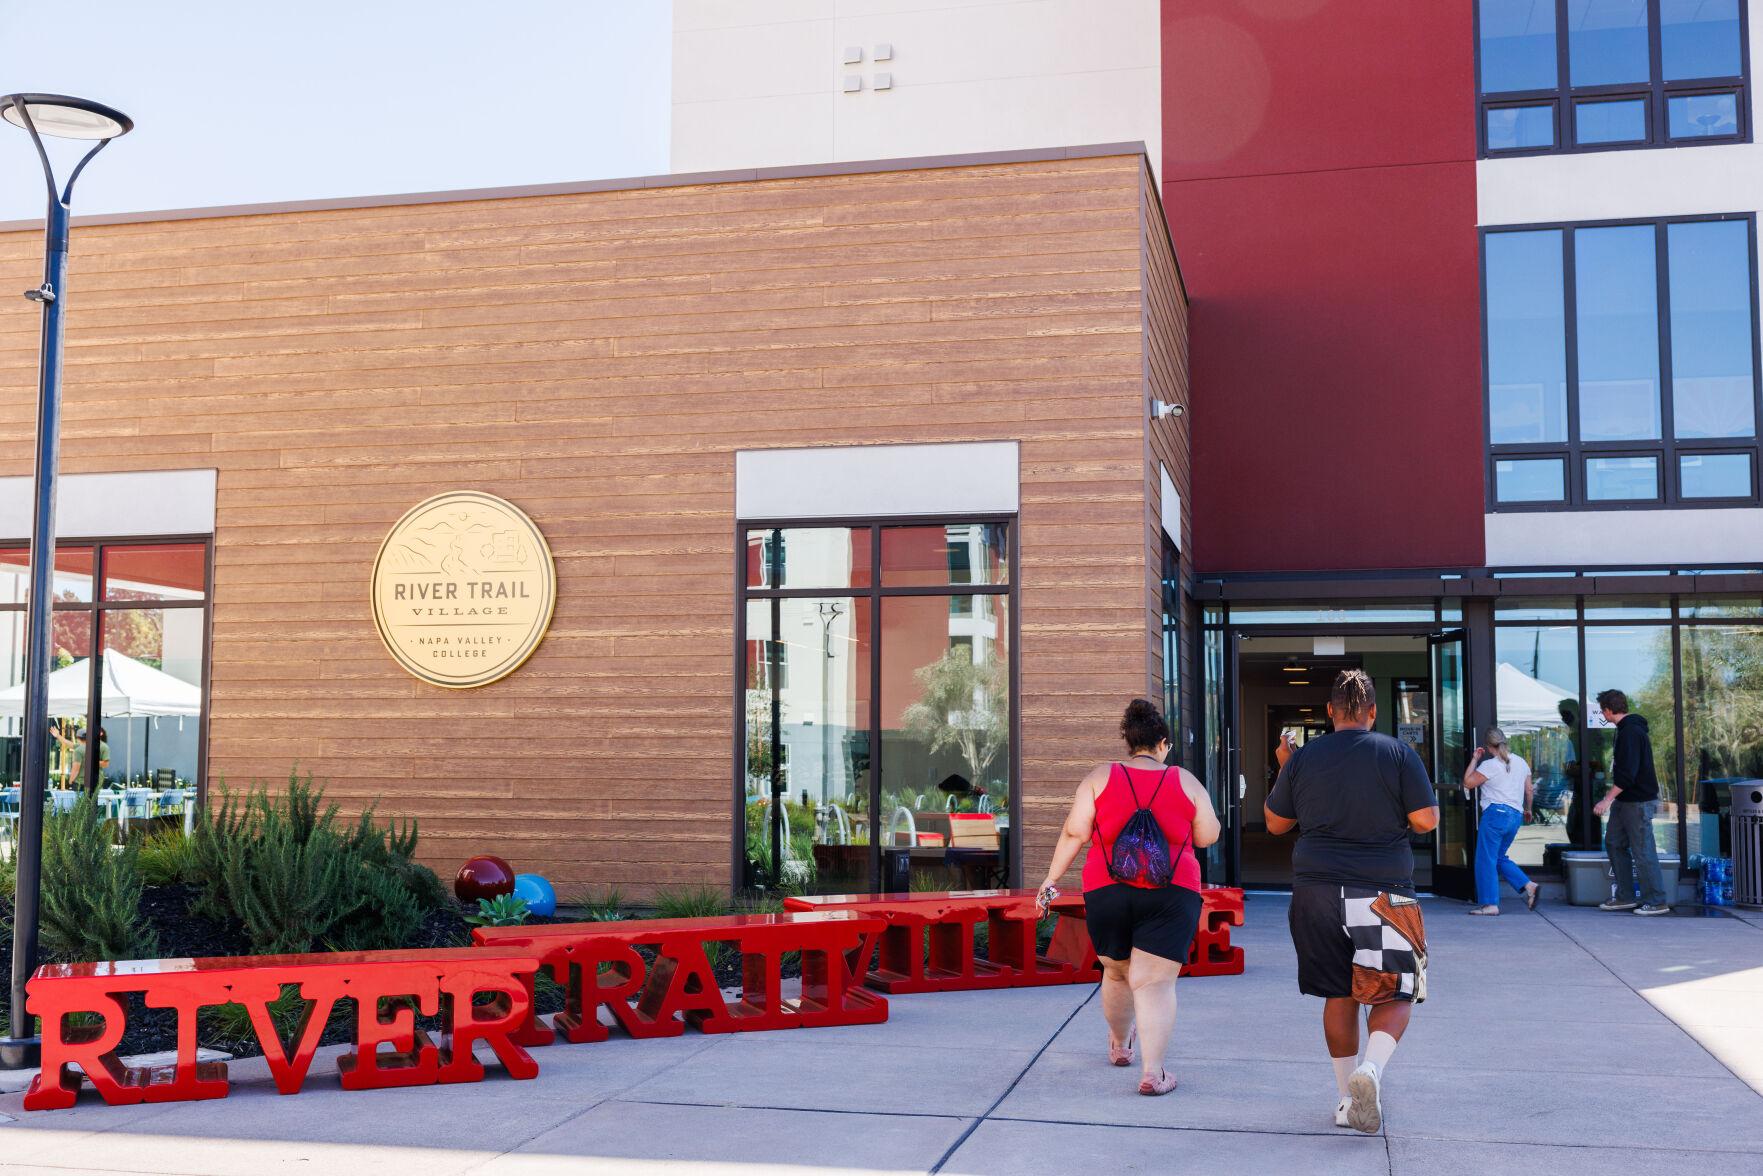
[181, 933]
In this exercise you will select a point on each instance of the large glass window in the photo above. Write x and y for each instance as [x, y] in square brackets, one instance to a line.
[1722, 727]
[126, 675]
[1617, 315]
[1635, 659]
[1536, 690]
[1527, 338]
[1621, 363]
[876, 730]
[1590, 75]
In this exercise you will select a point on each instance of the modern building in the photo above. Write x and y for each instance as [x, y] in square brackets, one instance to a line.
[855, 472]
[853, 482]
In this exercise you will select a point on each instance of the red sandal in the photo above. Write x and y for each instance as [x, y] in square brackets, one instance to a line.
[1122, 1056]
[1160, 1085]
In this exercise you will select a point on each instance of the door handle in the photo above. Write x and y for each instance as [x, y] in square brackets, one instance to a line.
[1242, 786]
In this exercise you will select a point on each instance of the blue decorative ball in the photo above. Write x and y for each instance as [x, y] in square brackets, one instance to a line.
[541, 899]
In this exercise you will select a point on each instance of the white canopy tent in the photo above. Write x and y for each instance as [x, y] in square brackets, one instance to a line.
[131, 689]
[1528, 704]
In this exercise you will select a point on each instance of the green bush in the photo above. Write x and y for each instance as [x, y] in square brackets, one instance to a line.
[295, 877]
[608, 906]
[694, 902]
[91, 904]
[166, 857]
[691, 902]
[232, 1022]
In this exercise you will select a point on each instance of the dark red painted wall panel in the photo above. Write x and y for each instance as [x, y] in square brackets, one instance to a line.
[1336, 368]
[1320, 188]
[1296, 85]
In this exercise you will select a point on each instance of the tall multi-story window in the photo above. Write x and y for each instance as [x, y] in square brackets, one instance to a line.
[1622, 363]
[1598, 75]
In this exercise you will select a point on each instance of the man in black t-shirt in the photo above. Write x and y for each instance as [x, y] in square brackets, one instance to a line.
[1355, 796]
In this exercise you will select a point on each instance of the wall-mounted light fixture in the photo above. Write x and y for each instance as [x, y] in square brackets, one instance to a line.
[1163, 410]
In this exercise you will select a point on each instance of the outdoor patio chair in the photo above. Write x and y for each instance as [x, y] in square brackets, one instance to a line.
[137, 804]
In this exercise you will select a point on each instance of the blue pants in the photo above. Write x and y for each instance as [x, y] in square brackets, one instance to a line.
[1499, 826]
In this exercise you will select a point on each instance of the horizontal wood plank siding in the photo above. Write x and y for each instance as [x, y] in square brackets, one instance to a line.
[597, 359]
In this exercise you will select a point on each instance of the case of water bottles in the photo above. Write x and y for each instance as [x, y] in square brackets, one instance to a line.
[1717, 881]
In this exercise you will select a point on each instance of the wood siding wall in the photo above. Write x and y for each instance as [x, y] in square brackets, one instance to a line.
[597, 359]
[1165, 313]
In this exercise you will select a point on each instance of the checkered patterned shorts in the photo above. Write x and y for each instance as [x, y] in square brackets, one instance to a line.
[1358, 943]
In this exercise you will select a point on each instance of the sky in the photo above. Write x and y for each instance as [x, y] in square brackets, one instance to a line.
[246, 101]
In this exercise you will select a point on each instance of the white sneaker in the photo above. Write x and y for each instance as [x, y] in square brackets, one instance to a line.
[1365, 1100]
[1340, 1112]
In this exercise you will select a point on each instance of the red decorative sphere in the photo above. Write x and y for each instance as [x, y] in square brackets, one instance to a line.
[484, 876]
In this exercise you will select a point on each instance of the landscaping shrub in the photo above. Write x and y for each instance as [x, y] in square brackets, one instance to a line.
[166, 857]
[694, 902]
[232, 1022]
[91, 900]
[608, 906]
[295, 878]
[690, 902]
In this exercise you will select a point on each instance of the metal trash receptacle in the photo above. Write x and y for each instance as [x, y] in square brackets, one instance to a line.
[1747, 843]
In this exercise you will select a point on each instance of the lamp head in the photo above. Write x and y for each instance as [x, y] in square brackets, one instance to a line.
[63, 117]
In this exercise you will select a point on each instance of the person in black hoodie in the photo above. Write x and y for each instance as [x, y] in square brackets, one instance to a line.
[1631, 802]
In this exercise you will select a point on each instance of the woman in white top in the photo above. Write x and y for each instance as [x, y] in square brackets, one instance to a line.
[1503, 782]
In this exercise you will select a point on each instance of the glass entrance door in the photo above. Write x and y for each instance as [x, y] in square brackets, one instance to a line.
[1453, 843]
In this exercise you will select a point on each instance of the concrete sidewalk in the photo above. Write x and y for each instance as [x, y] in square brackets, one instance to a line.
[1563, 1042]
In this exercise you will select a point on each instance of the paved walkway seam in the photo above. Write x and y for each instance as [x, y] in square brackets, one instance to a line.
[1023, 1073]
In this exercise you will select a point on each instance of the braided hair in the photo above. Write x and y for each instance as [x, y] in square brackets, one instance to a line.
[1353, 695]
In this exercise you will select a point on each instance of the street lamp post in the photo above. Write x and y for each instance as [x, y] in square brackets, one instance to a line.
[66, 118]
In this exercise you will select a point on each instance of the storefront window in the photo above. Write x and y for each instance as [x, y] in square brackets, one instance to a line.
[125, 682]
[808, 557]
[945, 739]
[842, 780]
[815, 805]
[1536, 687]
[1722, 727]
[1637, 661]
[150, 695]
[73, 575]
[930, 557]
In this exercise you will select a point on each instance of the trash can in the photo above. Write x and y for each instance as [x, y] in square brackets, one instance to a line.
[1747, 844]
[1590, 880]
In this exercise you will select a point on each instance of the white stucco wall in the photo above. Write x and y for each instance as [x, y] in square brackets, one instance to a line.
[1620, 185]
[760, 83]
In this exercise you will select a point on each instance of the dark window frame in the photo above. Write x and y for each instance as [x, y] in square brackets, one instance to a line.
[1657, 93]
[98, 606]
[875, 591]
[1668, 448]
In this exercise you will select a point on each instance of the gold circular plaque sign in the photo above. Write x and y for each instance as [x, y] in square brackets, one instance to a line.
[463, 589]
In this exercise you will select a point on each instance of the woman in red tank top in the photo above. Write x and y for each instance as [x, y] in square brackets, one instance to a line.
[1141, 882]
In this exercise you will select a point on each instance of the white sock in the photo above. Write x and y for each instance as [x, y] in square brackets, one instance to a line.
[1379, 1050]
[1343, 1070]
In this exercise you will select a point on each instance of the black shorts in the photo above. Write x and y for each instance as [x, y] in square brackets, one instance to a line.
[1161, 921]
[1358, 943]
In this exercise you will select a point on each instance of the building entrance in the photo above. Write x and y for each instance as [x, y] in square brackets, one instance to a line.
[1282, 686]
